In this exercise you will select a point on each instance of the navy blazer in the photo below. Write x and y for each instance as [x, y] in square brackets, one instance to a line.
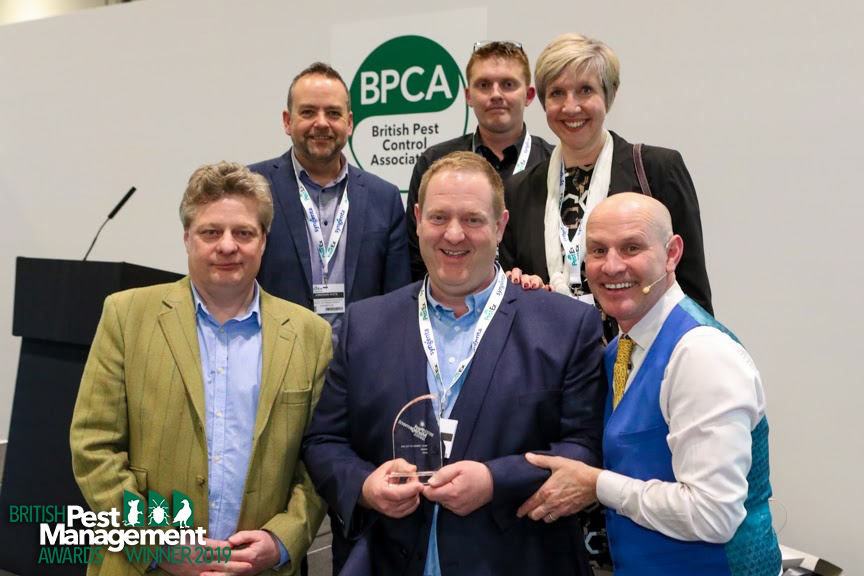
[376, 260]
[535, 384]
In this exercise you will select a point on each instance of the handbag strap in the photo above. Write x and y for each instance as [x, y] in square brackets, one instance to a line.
[640, 170]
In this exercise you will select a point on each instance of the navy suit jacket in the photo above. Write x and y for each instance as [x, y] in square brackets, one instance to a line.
[535, 384]
[376, 258]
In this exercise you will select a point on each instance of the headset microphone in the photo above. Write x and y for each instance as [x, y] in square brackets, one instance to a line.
[647, 289]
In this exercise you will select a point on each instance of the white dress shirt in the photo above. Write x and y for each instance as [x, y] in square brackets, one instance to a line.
[711, 397]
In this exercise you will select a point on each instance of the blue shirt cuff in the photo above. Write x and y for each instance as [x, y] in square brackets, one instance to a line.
[284, 556]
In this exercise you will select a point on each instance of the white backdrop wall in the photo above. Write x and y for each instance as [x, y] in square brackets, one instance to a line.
[762, 99]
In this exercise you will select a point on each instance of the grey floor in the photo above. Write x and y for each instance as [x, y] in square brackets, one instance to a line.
[320, 562]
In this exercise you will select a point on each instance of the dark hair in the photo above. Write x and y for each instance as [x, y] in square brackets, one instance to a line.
[321, 69]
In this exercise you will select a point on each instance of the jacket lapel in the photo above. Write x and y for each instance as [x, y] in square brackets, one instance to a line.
[476, 385]
[413, 354]
[177, 320]
[623, 169]
[286, 196]
[359, 197]
[277, 344]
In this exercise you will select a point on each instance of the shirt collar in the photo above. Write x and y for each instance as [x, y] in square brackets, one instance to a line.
[645, 331]
[253, 311]
[475, 302]
[477, 141]
[300, 171]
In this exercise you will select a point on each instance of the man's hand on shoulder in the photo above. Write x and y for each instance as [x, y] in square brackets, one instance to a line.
[388, 497]
[461, 487]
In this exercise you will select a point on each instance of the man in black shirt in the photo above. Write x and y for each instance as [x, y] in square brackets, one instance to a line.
[499, 89]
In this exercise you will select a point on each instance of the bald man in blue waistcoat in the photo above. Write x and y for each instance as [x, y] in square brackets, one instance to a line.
[685, 447]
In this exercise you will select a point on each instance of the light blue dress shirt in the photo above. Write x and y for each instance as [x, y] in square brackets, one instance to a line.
[453, 337]
[326, 200]
[231, 366]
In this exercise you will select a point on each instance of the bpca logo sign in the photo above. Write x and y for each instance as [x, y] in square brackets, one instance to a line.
[407, 95]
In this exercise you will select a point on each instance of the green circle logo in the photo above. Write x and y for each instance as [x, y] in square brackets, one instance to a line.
[407, 95]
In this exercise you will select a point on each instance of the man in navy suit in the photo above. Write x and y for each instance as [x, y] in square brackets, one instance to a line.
[513, 371]
[324, 252]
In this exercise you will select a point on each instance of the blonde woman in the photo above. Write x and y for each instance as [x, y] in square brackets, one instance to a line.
[577, 79]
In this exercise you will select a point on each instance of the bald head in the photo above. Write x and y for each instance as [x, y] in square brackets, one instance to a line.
[636, 207]
[631, 255]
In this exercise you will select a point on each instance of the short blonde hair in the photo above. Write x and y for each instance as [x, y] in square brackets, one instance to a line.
[469, 162]
[212, 182]
[572, 52]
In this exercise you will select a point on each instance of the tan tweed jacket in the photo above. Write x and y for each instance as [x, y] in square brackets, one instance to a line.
[139, 419]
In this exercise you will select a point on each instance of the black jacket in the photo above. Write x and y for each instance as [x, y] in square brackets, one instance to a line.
[525, 197]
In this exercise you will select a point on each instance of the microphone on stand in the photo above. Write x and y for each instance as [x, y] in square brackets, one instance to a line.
[110, 216]
[647, 289]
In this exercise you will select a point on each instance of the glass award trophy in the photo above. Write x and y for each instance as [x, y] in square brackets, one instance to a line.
[417, 438]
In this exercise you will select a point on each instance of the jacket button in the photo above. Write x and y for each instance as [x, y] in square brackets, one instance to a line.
[403, 552]
[199, 480]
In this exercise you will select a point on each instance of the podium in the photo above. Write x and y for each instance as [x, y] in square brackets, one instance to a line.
[58, 304]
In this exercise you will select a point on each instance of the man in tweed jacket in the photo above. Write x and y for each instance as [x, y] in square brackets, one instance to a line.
[206, 386]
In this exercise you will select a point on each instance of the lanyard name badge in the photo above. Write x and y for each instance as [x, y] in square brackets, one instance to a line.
[523, 155]
[428, 339]
[327, 298]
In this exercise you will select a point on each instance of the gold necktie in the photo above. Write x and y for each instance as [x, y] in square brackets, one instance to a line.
[621, 369]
